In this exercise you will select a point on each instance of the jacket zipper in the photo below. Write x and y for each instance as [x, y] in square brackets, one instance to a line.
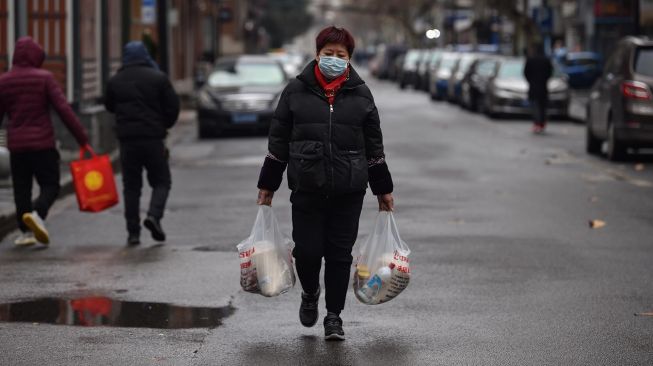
[333, 184]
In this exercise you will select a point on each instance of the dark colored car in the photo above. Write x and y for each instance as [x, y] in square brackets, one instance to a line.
[507, 91]
[423, 70]
[582, 68]
[475, 82]
[620, 109]
[454, 90]
[383, 64]
[408, 75]
[439, 87]
[240, 94]
[432, 69]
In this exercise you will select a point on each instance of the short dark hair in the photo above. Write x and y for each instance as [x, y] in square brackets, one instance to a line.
[333, 34]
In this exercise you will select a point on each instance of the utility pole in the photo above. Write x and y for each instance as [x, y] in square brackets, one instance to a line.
[162, 25]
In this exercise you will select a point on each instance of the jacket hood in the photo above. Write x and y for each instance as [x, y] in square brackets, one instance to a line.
[28, 53]
[308, 77]
[135, 53]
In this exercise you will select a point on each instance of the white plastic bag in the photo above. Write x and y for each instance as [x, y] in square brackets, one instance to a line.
[382, 265]
[266, 265]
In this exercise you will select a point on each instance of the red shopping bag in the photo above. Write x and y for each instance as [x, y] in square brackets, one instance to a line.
[94, 183]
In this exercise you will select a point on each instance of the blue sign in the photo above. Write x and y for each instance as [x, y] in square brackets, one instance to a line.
[543, 17]
[148, 12]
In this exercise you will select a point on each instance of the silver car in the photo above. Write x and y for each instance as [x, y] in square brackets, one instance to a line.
[507, 91]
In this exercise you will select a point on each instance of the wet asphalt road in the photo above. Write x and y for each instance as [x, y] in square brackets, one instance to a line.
[506, 270]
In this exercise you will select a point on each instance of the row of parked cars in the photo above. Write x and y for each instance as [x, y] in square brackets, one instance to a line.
[619, 109]
[481, 82]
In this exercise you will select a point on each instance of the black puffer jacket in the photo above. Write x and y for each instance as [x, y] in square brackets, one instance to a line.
[327, 147]
[143, 99]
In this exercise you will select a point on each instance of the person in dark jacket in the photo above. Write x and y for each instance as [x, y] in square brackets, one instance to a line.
[326, 130]
[27, 93]
[538, 71]
[146, 106]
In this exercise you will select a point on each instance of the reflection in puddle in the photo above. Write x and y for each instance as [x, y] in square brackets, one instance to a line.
[103, 311]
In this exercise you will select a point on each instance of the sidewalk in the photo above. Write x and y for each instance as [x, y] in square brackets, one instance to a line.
[8, 209]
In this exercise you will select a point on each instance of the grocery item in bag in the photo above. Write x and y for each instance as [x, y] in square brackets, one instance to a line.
[265, 257]
[382, 267]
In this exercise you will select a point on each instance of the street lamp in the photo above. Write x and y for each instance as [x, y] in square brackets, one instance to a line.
[432, 34]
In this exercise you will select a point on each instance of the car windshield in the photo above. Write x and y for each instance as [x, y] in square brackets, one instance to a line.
[511, 69]
[465, 63]
[244, 74]
[644, 61]
[447, 62]
[485, 68]
[412, 56]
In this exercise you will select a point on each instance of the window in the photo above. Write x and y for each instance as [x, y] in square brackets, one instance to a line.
[644, 61]
[243, 74]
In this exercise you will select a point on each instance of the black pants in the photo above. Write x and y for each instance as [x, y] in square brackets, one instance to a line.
[25, 166]
[151, 155]
[539, 106]
[325, 227]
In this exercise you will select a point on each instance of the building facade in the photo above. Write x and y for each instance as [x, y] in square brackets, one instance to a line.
[83, 41]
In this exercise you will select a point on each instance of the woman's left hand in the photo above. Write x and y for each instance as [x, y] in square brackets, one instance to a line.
[386, 202]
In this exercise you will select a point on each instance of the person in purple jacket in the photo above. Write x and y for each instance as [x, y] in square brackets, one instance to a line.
[27, 93]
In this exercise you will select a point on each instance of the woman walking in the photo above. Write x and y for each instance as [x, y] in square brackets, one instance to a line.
[326, 130]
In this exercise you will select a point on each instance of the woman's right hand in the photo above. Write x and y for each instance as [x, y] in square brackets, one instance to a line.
[265, 197]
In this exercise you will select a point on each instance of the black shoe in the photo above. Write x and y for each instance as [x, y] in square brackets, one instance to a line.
[308, 309]
[154, 226]
[333, 328]
[133, 240]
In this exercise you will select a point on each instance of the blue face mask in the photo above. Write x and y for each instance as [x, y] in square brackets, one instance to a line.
[332, 67]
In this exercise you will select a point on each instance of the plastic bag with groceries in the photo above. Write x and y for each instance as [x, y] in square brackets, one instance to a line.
[382, 266]
[266, 265]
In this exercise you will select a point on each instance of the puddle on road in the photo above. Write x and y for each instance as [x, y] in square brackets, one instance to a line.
[107, 312]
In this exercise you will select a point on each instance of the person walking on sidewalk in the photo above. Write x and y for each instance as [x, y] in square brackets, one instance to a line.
[27, 93]
[326, 130]
[538, 71]
[146, 106]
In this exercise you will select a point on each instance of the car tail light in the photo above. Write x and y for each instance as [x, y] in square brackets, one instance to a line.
[635, 90]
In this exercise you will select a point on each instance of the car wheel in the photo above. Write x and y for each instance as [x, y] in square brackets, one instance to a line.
[592, 143]
[616, 149]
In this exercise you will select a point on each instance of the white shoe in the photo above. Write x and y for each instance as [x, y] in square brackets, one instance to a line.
[25, 239]
[35, 223]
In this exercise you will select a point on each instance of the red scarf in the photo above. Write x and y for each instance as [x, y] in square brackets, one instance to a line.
[330, 88]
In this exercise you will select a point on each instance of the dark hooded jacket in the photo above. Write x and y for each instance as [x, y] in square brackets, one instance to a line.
[537, 71]
[27, 93]
[143, 99]
[327, 148]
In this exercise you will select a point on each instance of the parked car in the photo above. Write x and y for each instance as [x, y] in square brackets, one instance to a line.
[475, 81]
[432, 69]
[408, 75]
[620, 107]
[240, 94]
[507, 91]
[423, 70]
[582, 68]
[440, 83]
[383, 64]
[293, 63]
[454, 86]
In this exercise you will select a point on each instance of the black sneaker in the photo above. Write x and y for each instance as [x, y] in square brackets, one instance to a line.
[154, 226]
[333, 328]
[308, 309]
[133, 240]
